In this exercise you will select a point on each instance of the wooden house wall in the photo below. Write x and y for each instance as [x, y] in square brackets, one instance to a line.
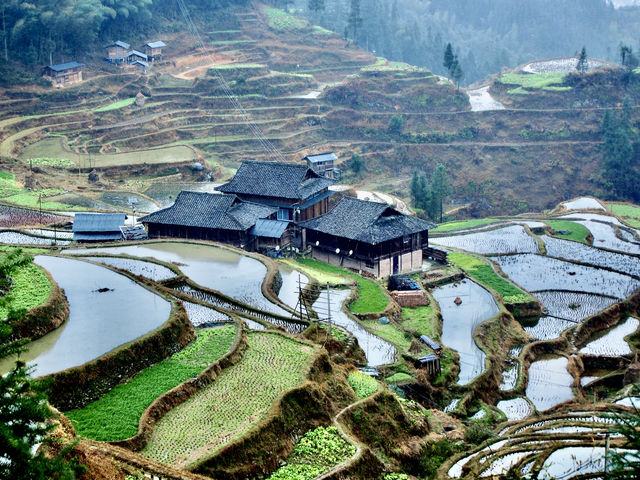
[115, 53]
[233, 237]
[65, 77]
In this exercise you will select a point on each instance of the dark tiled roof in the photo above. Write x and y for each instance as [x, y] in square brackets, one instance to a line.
[322, 157]
[61, 67]
[98, 222]
[210, 210]
[273, 179]
[158, 44]
[368, 222]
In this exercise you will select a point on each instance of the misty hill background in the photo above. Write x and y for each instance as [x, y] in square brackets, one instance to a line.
[487, 34]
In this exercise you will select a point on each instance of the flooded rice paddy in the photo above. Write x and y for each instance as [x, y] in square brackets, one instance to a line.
[165, 193]
[125, 200]
[292, 282]
[515, 409]
[583, 203]
[233, 274]
[150, 270]
[98, 322]
[612, 343]
[539, 273]
[377, 351]
[58, 234]
[459, 323]
[549, 383]
[201, 315]
[511, 239]
[17, 238]
[579, 252]
[481, 100]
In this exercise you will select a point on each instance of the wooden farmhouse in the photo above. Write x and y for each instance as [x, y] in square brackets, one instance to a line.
[154, 50]
[64, 73]
[297, 192]
[367, 236]
[209, 216]
[323, 164]
[117, 52]
[136, 56]
[97, 227]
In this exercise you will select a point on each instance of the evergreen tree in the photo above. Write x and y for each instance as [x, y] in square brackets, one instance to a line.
[355, 20]
[456, 72]
[582, 65]
[620, 171]
[440, 188]
[448, 57]
[316, 6]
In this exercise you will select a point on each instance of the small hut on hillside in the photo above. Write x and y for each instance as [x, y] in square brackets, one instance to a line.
[154, 50]
[117, 52]
[323, 164]
[64, 73]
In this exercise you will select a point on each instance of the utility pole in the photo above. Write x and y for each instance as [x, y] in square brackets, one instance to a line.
[329, 309]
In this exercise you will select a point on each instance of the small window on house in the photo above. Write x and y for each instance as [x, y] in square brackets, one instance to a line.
[284, 214]
[406, 240]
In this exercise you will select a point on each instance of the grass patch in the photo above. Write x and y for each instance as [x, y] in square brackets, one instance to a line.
[536, 81]
[116, 415]
[321, 276]
[318, 30]
[464, 224]
[421, 319]
[384, 65]
[371, 298]
[115, 105]
[577, 232]
[316, 452]
[398, 377]
[230, 42]
[483, 273]
[398, 337]
[239, 399]
[280, 20]
[31, 288]
[32, 199]
[363, 384]
[630, 213]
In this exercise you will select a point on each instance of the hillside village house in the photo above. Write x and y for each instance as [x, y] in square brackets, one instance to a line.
[64, 73]
[117, 52]
[323, 164]
[367, 236]
[154, 50]
[136, 56]
[209, 216]
[97, 227]
[296, 191]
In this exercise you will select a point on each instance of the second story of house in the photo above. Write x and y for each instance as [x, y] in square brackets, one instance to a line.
[297, 191]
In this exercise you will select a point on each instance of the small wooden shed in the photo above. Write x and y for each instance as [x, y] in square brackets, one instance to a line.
[117, 52]
[431, 363]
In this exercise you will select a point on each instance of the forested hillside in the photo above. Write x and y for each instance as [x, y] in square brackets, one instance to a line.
[486, 34]
[34, 33]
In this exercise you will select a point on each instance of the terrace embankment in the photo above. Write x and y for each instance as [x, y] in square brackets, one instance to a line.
[42, 319]
[262, 449]
[78, 386]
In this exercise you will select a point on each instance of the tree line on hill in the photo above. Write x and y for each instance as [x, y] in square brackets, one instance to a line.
[488, 34]
[37, 32]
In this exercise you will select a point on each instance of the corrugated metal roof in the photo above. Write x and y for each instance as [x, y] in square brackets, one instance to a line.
[119, 44]
[158, 44]
[96, 237]
[135, 53]
[140, 62]
[60, 67]
[322, 157]
[98, 222]
[269, 228]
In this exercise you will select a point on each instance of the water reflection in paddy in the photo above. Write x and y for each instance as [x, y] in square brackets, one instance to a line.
[549, 383]
[235, 275]
[137, 267]
[460, 321]
[98, 322]
[612, 342]
[292, 282]
[376, 350]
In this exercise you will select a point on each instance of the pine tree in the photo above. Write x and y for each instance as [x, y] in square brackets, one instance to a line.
[448, 57]
[456, 71]
[354, 21]
[582, 65]
[440, 188]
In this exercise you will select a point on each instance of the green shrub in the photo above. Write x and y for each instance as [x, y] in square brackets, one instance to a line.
[363, 384]
[477, 433]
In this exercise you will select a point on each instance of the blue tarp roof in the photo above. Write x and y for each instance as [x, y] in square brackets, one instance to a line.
[98, 222]
[322, 157]
[269, 228]
[65, 66]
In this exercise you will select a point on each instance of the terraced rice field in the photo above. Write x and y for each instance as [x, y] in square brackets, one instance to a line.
[200, 315]
[593, 256]
[137, 267]
[238, 399]
[583, 203]
[511, 239]
[516, 408]
[116, 415]
[549, 383]
[17, 238]
[539, 273]
[612, 342]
